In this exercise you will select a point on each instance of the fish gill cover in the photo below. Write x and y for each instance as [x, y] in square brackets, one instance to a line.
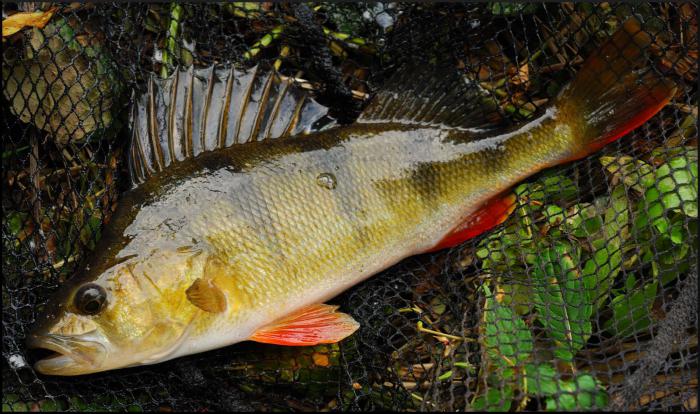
[585, 298]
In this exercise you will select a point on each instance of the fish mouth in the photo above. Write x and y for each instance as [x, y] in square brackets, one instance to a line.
[68, 355]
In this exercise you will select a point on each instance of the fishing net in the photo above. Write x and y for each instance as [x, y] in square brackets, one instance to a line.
[584, 299]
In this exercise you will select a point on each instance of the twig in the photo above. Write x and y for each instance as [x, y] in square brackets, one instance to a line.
[35, 189]
[437, 333]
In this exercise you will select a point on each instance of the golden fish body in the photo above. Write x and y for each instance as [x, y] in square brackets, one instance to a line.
[221, 248]
[283, 225]
[296, 226]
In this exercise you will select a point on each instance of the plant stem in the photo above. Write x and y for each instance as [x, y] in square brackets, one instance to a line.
[430, 331]
[264, 42]
[172, 48]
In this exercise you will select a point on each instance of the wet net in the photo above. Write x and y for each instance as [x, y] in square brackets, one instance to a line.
[584, 299]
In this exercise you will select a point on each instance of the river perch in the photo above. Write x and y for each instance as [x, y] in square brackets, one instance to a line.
[221, 242]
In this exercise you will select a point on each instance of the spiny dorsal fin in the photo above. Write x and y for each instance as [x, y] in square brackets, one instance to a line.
[198, 110]
[432, 96]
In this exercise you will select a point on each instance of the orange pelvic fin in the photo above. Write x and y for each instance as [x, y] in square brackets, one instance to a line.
[313, 325]
[491, 214]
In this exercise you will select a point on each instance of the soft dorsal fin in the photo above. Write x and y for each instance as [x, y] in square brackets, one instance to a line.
[434, 96]
[198, 110]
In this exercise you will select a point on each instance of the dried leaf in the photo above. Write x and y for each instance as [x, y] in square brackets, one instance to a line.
[19, 21]
[523, 75]
[62, 86]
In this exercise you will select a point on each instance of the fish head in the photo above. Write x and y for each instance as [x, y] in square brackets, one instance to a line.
[121, 317]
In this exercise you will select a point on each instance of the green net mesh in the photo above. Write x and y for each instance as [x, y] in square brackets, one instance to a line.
[584, 299]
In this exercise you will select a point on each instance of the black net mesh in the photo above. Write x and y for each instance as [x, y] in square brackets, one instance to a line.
[584, 299]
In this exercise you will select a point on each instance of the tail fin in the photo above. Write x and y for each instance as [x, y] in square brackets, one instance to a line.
[615, 91]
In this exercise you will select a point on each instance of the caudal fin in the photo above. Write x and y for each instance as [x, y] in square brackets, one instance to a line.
[616, 90]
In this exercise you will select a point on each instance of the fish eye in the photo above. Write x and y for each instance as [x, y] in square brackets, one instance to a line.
[90, 299]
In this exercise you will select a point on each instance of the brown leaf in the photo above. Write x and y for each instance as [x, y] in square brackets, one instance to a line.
[523, 75]
[321, 359]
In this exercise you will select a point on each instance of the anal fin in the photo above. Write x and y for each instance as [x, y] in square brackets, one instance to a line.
[313, 325]
[494, 212]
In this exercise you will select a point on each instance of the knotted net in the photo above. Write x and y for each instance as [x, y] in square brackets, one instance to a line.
[584, 299]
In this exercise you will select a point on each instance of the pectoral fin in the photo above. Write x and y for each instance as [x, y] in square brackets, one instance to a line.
[313, 325]
[205, 295]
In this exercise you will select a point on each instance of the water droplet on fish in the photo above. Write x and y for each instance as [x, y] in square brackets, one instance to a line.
[326, 180]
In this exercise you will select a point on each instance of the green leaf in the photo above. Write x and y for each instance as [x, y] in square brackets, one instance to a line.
[635, 174]
[549, 187]
[562, 301]
[617, 214]
[677, 233]
[14, 221]
[541, 379]
[676, 184]
[654, 210]
[495, 400]
[507, 338]
[631, 311]
[555, 214]
[670, 259]
[584, 392]
[90, 233]
[589, 227]
[482, 253]
[348, 17]
[583, 220]
[560, 186]
[504, 8]
[601, 269]
[517, 295]
[670, 272]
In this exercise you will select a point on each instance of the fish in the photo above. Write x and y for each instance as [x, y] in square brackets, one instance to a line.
[251, 207]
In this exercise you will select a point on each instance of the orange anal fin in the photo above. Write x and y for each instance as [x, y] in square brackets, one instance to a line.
[490, 215]
[313, 325]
